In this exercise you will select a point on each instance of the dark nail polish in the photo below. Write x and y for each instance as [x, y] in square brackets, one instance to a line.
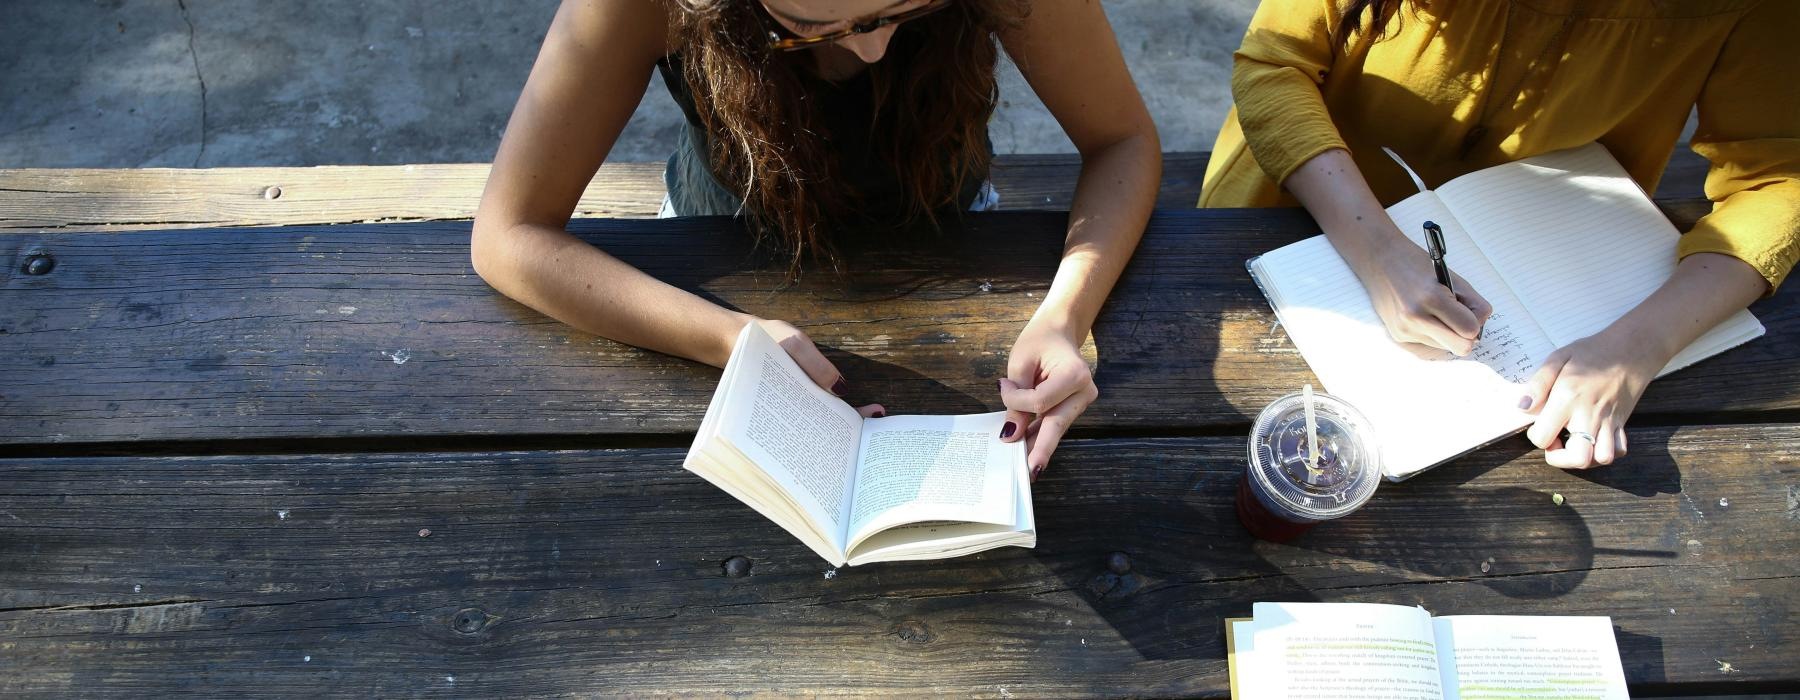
[840, 387]
[1007, 430]
[879, 414]
[1524, 403]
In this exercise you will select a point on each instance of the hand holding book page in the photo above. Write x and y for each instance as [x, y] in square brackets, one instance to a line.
[803, 458]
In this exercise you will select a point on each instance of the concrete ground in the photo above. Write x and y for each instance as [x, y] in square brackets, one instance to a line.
[206, 83]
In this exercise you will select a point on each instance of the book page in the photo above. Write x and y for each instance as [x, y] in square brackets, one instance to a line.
[803, 437]
[1424, 411]
[1338, 651]
[1578, 241]
[937, 539]
[919, 468]
[1547, 658]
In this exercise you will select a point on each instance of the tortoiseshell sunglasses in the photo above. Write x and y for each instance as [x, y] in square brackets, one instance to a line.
[777, 42]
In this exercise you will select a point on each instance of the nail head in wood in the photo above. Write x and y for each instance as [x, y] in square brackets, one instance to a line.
[913, 631]
[1118, 563]
[272, 192]
[39, 264]
[468, 621]
[737, 567]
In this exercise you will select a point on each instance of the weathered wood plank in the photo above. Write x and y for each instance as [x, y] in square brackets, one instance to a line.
[175, 198]
[154, 198]
[383, 330]
[90, 198]
[585, 571]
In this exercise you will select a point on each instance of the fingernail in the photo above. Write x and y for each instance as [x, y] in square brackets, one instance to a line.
[1007, 430]
[840, 387]
[879, 414]
[1525, 403]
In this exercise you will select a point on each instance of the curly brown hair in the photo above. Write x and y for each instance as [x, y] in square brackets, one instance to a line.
[934, 93]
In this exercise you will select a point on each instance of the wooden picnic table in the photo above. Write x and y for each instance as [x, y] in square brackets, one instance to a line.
[324, 456]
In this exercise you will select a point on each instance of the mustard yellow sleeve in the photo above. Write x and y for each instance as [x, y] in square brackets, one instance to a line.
[1275, 81]
[1750, 130]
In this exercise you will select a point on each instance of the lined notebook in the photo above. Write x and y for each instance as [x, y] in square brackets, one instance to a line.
[1561, 244]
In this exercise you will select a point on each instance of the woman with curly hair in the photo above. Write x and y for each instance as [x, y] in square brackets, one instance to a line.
[807, 117]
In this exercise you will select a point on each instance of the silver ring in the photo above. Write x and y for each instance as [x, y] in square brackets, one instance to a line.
[1578, 434]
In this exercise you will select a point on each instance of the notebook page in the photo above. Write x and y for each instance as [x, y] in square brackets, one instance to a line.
[1423, 411]
[1579, 242]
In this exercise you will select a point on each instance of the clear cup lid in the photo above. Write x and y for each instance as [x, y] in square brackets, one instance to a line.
[1347, 470]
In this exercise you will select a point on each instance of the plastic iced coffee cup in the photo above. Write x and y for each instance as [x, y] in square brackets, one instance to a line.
[1285, 491]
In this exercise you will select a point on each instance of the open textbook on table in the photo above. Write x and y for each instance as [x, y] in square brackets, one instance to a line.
[1363, 651]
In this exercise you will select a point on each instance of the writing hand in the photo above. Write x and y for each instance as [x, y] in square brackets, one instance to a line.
[1417, 311]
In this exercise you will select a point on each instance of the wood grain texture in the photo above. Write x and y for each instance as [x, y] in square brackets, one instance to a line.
[380, 331]
[151, 198]
[600, 571]
[154, 198]
[173, 197]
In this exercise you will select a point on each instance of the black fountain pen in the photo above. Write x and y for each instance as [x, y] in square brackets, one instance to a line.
[1434, 244]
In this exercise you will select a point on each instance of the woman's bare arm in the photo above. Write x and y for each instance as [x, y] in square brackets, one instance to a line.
[597, 58]
[1067, 51]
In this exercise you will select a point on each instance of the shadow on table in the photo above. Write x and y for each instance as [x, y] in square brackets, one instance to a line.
[1642, 655]
[1647, 471]
[1191, 565]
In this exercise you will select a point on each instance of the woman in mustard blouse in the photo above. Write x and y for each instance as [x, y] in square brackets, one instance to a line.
[1460, 85]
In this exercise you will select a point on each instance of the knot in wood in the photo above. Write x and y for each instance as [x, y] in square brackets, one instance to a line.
[1118, 563]
[38, 264]
[469, 621]
[737, 567]
[912, 632]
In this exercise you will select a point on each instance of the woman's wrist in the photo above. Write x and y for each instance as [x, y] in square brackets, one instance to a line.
[724, 339]
[1061, 319]
[1367, 247]
[1649, 341]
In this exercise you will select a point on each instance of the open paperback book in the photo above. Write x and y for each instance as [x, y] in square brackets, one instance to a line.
[858, 490]
[1363, 651]
[1561, 244]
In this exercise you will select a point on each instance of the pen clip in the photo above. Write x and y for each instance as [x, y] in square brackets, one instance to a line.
[1434, 240]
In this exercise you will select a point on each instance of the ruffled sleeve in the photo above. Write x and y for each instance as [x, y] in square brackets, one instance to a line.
[1275, 81]
[1749, 128]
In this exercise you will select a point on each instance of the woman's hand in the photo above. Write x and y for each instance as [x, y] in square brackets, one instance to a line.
[1396, 272]
[1589, 387]
[1047, 385]
[807, 355]
[1415, 308]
